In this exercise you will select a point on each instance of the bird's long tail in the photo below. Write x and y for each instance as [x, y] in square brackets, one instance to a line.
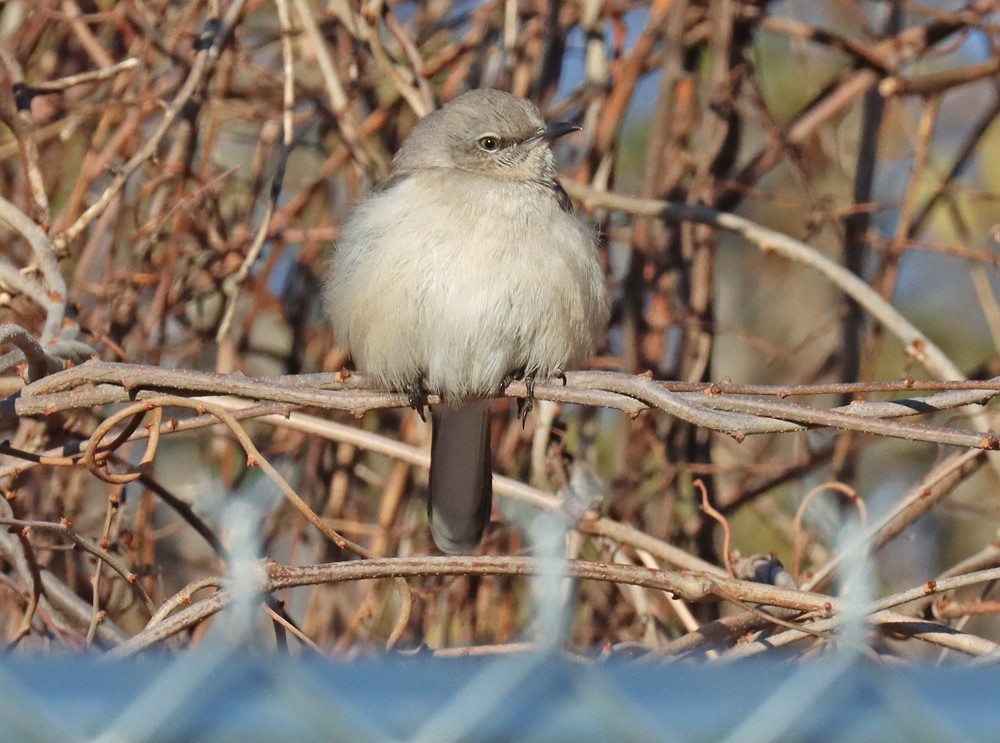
[461, 486]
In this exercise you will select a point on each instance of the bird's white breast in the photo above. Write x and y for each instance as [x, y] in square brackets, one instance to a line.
[462, 280]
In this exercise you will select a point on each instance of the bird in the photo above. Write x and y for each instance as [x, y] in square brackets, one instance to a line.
[464, 268]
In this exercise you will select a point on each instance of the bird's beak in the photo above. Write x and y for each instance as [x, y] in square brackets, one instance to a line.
[558, 129]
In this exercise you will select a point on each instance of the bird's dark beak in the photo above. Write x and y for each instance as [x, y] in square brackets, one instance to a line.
[559, 129]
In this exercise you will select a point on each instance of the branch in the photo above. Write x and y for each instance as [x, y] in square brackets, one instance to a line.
[216, 33]
[41, 246]
[28, 350]
[737, 416]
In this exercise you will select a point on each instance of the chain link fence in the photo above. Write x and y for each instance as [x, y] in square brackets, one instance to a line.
[213, 530]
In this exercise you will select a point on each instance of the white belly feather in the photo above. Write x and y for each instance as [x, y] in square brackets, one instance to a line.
[463, 306]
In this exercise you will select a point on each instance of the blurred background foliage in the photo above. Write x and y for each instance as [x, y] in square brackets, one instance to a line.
[866, 129]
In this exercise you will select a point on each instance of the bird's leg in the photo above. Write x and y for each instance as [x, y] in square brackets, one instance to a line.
[417, 394]
[524, 404]
[528, 402]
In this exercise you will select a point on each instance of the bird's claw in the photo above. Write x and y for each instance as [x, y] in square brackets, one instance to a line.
[526, 403]
[417, 396]
[510, 377]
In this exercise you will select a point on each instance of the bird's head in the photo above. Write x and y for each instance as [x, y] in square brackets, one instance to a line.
[486, 132]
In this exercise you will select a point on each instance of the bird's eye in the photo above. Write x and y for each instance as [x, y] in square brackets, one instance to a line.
[489, 143]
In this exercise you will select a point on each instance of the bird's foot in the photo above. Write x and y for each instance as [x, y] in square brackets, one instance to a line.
[417, 395]
[526, 403]
[511, 376]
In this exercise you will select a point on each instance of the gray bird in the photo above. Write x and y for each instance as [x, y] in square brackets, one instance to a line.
[465, 268]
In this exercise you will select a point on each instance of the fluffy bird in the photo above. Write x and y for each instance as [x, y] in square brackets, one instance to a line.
[466, 268]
